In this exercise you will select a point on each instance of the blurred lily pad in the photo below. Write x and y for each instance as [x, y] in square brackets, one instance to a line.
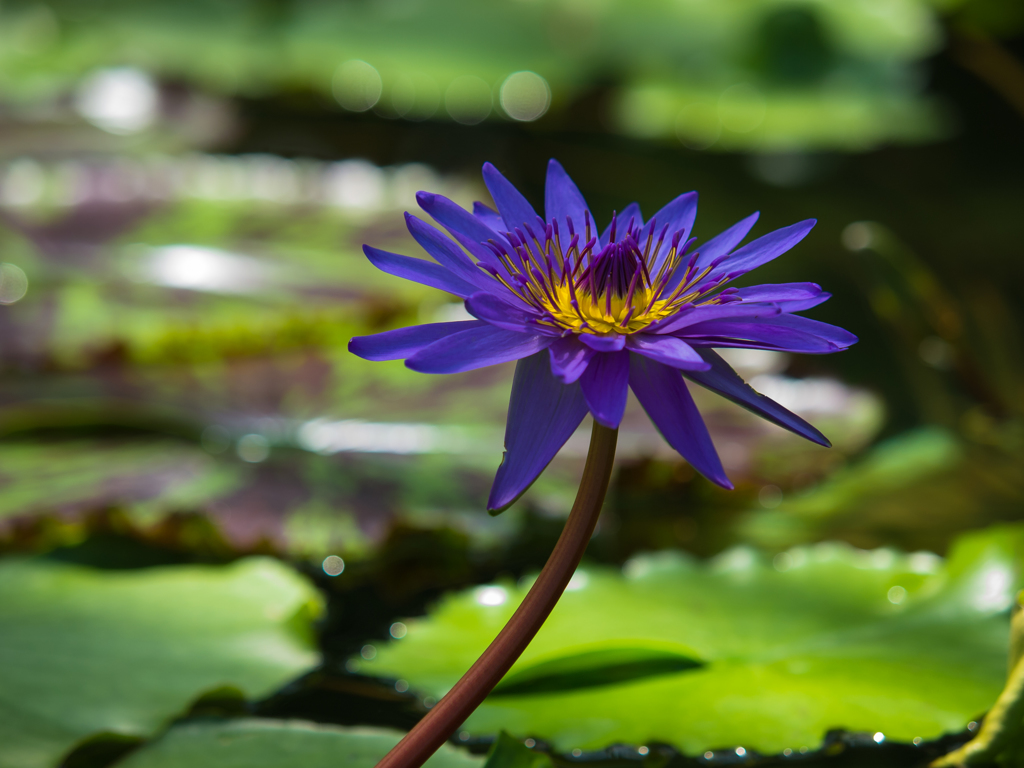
[251, 743]
[836, 72]
[83, 651]
[916, 490]
[70, 476]
[822, 637]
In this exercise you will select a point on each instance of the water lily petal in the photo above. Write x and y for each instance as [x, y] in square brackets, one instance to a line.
[542, 414]
[515, 210]
[780, 292]
[569, 359]
[605, 386]
[679, 215]
[786, 333]
[764, 249]
[562, 198]
[449, 255]
[677, 323]
[725, 241]
[476, 348]
[490, 217]
[613, 342]
[401, 343]
[663, 394]
[469, 230]
[668, 350]
[419, 271]
[790, 297]
[721, 378]
[491, 309]
[630, 213]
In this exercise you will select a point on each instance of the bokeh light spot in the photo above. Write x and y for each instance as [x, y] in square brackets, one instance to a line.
[333, 565]
[120, 100]
[253, 448]
[491, 595]
[782, 562]
[770, 496]
[857, 236]
[357, 85]
[525, 96]
[13, 283]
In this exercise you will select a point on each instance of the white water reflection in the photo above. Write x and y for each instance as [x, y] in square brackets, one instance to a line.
[354, 435]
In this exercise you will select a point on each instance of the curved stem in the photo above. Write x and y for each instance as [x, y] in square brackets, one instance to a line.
[449, 713]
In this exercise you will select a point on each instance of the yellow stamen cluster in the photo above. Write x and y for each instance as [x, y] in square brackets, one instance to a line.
[613, 291]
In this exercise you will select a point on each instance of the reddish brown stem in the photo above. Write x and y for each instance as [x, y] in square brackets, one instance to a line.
[449, 713]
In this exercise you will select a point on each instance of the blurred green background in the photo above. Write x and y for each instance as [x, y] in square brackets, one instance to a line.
[184, 191]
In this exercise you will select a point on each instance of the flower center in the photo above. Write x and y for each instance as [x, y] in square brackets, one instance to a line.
[629, 284]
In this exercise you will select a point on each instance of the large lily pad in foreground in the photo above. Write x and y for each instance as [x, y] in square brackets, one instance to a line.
[274, 743]
[84, 651]
[740, 650]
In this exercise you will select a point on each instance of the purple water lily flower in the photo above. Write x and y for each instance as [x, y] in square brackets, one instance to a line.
[591, 314]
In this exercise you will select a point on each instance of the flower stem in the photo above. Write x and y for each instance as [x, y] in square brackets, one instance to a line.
[452, 710]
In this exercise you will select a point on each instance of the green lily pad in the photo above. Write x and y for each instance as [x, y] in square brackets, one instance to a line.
[596, 667]
[509, 752]
[66, 477]
[916, 490]
[252, 743]
[83, 651]
[822, 637]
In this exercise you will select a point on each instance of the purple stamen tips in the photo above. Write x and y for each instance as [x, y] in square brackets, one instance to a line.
[586, 219]
[629, 229]
[549, 231]
[568, 221]
[611, 236]
[554, 226]
[676, 238]
[586, 249]
[522, 239]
